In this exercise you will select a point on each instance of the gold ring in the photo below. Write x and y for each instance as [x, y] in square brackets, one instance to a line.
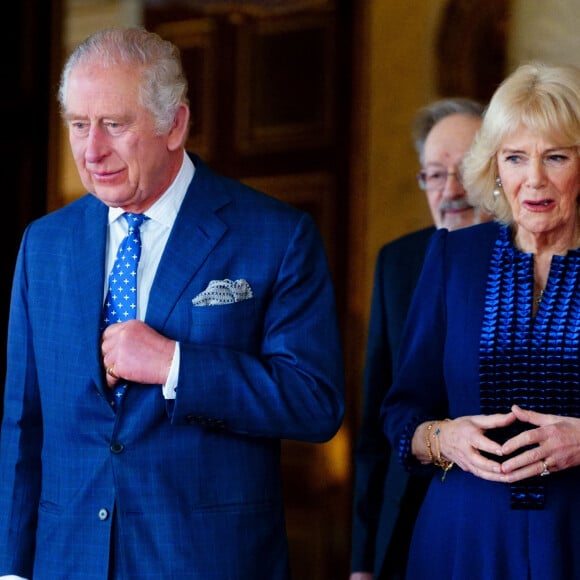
[111, 371]
[546, 471]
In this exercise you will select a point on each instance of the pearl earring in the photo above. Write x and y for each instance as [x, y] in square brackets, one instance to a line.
[498, 186]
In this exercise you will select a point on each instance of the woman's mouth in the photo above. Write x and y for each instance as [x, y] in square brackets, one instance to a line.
[539, 205]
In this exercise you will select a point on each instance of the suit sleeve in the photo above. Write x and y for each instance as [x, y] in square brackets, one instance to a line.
[21, 439]
[291, 383]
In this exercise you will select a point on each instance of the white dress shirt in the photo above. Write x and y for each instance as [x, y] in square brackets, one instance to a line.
[154, 235]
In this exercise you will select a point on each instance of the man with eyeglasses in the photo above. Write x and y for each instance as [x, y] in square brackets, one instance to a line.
[443, 132]
[386, 499]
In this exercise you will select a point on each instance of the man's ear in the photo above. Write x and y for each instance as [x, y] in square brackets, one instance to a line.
[178, 132]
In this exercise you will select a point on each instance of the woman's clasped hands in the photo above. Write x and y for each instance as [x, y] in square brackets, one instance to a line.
[550, 445]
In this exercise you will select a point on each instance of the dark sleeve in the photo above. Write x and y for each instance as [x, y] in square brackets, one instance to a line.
[418, 392]
[372, 451]
[397, 269]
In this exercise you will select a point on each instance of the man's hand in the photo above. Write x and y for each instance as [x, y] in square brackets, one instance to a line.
[134, 352]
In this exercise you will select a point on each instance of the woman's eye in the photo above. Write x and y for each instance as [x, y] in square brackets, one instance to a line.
[557, 157]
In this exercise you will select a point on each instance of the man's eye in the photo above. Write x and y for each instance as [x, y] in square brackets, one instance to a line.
[114, 128]
[78, 127]
[436, 175]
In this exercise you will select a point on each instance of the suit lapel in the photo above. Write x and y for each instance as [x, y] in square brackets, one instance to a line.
[195, 233]
[88, 264]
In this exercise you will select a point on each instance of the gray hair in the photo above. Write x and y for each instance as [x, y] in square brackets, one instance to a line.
[541, 97]
[163, 86]
[428, 116]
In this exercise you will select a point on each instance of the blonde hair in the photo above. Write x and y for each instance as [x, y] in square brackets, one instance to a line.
[541, 97]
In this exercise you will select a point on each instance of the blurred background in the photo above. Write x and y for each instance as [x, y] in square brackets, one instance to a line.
[310, 101]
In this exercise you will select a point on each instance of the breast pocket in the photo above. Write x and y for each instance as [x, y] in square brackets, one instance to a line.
[236, 325]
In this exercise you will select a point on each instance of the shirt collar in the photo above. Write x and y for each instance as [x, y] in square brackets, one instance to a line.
[165, 209]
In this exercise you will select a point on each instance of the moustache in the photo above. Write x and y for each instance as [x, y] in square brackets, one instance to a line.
[455, 205]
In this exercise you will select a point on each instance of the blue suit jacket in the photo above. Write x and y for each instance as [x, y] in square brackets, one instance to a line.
[188, 489]
[385, 502]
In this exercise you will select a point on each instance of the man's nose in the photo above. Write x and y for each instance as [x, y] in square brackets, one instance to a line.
[96, 144]
[453, 186]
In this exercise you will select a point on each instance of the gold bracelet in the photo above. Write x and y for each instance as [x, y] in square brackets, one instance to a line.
[428, 442]
[441, 462]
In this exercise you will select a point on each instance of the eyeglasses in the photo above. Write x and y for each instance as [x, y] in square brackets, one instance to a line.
[436, 179]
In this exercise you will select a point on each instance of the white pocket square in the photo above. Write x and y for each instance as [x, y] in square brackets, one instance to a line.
[223, 292]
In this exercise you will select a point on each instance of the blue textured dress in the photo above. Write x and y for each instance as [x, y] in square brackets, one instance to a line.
[471, 346]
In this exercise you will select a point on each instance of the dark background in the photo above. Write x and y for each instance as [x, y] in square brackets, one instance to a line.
[28, 87]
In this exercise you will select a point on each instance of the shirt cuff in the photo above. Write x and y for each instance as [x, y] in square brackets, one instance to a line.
[170, 386]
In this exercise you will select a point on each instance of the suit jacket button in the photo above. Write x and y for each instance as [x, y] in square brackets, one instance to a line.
[103, 514]
[117, 447]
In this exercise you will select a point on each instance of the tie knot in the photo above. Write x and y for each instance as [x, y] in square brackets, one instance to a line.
[134, 220]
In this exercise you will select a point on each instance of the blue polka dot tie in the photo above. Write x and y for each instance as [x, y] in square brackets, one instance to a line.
[121, 300]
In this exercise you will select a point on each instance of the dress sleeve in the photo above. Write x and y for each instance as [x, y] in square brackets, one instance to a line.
[418, 392]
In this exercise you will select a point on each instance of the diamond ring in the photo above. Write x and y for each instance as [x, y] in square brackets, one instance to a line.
[546, 470]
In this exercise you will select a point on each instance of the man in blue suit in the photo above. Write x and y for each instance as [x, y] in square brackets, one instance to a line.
[386, 500]
[227, 343]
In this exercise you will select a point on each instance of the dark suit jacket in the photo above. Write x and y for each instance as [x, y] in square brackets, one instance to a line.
[385, 500]
[193, 485]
